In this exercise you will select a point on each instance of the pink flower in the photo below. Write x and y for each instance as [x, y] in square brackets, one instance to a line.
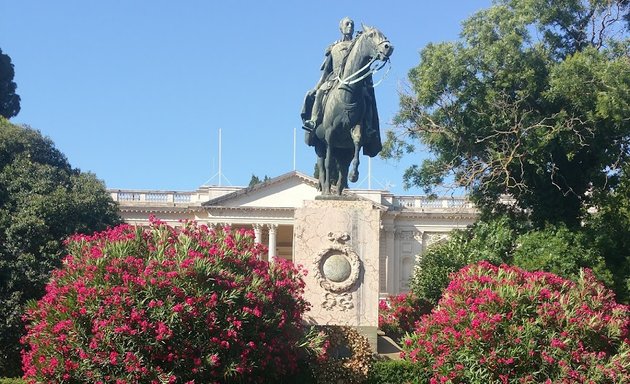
[556, 343]
[113, 357]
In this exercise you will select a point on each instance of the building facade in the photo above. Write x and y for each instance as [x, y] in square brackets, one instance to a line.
[408, 224]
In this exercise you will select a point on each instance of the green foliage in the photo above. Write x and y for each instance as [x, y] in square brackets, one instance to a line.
[11, 381]
[432, 271]
[43, 200]
[608, 230]
[303, 375]
[395, 372]
[533, 101]
[9, 100]
[560, 251]
[492, 241]
[503, 239]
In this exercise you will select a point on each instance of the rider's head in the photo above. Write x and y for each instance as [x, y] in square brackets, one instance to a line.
[346, 26]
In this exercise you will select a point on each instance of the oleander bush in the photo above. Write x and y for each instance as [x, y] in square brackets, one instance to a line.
[398, 314]
[504, 324]
[166, 305]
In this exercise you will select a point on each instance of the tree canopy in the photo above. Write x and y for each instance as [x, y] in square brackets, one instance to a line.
[608, 230]
[532, 102]
[9, 100]
[43, 200]
[256, 180]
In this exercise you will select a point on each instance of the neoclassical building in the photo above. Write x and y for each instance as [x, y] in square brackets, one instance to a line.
[408, 224]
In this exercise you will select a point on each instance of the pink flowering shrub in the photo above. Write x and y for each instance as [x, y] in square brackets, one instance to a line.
[504, 324]
[398, 314]
[165, 305]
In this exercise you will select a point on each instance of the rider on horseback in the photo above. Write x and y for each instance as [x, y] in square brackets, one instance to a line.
[331, 69]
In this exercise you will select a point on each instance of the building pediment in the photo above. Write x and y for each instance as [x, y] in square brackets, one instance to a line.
[286, 191]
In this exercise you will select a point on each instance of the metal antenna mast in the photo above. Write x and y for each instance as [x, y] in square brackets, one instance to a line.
[220, 175]
[369, 173]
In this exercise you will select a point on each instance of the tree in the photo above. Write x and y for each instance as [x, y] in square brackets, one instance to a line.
[558, 250]
[43, 200]
[608, 229]
[256, 180]
[533, 102]
[9, 100]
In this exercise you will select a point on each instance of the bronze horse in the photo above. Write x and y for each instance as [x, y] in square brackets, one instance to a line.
[340, 136]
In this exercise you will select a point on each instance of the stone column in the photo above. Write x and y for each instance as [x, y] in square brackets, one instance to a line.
[272, 241]
[257, 233]
[396, 262]
[391, 259]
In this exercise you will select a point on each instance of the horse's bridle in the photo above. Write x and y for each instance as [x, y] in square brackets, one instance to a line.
[350, 79]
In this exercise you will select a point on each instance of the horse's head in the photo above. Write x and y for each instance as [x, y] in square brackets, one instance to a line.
[381, 47]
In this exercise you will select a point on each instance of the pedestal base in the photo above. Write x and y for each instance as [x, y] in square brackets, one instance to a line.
[337, 241]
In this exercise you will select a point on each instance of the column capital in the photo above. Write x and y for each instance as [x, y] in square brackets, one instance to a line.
[388, 230]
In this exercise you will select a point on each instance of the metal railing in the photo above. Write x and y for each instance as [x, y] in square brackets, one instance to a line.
[423, 202]
[165, 197]
[155, 197]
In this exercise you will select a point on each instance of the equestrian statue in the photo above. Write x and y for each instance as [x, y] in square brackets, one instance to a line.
[339, 114]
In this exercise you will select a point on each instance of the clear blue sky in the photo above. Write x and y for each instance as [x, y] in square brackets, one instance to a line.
[136, 91]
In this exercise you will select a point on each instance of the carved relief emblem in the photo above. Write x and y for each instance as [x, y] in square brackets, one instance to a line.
[435, 237]
[337, 267]
[343, 301]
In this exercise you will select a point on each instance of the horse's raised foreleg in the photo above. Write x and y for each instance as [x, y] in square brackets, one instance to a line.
[328, 164]
[353, 175]
[322, 173]
[320, 151]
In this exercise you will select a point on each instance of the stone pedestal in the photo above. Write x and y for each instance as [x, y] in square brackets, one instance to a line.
[337, 241]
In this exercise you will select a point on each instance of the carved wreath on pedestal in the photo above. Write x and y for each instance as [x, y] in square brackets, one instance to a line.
[337, 270]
